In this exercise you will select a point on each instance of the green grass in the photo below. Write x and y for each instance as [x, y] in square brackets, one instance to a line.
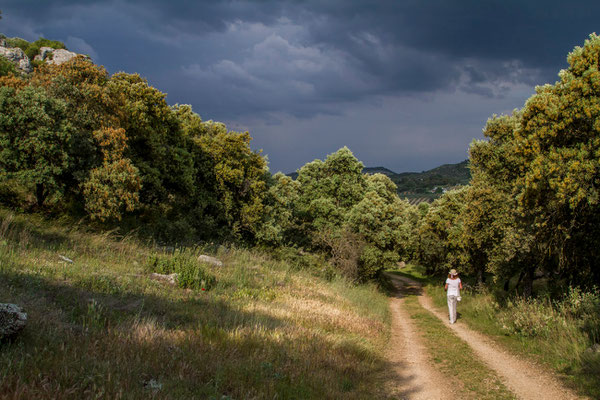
[535, 329]
[101, 328]
[454, 357]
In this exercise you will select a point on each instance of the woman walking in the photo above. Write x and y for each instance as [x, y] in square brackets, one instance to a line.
[453, 287]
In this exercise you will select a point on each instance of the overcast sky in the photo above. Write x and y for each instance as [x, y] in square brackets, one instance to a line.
[404, 84]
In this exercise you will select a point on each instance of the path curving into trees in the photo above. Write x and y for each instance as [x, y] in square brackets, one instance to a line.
[524, 378]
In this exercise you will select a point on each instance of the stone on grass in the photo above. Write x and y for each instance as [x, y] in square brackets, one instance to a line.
[170, 278]
[12, 319]
[66, 259]
[210, 260]
[152, 384]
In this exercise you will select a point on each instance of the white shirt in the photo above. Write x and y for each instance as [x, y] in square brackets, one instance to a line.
[453, 287]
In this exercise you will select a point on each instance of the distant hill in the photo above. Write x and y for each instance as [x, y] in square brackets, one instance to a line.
[418, 187]
[379, 170]
[442, 176]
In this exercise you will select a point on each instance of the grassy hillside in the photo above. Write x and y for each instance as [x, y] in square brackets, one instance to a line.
[256, 327]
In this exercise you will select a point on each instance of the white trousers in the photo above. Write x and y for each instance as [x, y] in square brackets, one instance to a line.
[452, 308]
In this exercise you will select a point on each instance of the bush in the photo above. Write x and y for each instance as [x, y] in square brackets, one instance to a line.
[346, 249]
[584, 309]
[529, 318]
[34, 48]
[17, 42]
[6, 67]
[537, 317]
[191, 274]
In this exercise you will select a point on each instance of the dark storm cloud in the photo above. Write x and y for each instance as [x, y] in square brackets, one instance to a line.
[269, 63]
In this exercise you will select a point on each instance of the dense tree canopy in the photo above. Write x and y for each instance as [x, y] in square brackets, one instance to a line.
[533, 201]
[111, 146]
[76, 140]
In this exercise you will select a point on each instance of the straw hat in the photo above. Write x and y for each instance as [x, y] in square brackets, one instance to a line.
[453, 272]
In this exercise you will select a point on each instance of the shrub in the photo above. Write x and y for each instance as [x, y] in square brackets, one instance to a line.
[34, 48]
[6, 67]
[191, 274]
[584, 309]
[17, 42]
[529, 317]
[346, 249]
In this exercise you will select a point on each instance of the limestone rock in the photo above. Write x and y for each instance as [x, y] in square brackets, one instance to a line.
[170, 279]
[17, 57]
[44, 52]
[65, 259]
[210, 260]
[12, 319]
[61, 56]
[152, 384]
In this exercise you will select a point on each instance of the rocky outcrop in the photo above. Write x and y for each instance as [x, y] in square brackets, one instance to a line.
[44, 51]
[61, 56]
[12, 319]
[47, 54]
[17, 57]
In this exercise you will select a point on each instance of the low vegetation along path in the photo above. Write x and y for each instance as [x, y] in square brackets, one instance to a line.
[524, 378]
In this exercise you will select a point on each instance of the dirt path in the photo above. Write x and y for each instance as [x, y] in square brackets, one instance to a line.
[414, 378]
[524, 378]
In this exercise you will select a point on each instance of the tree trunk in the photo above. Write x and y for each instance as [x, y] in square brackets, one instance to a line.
[528, 282]
[40, 194]
[480, 276]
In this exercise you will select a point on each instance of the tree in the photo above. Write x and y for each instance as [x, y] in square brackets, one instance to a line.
[239, 179]
[280, 225]
[89, 106]
[329, 189]
[559, 142]
[156, 145]
[380, 219]
[112, 188]
[34, 134]
[438, 231]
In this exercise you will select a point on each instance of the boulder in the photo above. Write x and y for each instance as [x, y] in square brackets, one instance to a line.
[65, 259]
[210, 260]
[61, 56]
[170, 279]
[12, 319]
[44, 52]
[17, 57]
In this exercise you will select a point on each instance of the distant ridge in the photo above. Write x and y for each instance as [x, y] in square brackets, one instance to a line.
[379, 170]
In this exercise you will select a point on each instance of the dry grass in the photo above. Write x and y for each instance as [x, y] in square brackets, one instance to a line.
[100, 328]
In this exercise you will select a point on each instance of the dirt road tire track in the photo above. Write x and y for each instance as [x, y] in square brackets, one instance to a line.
[415, 378]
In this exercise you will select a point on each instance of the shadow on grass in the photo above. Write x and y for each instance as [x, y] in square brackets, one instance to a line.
[83, 343]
